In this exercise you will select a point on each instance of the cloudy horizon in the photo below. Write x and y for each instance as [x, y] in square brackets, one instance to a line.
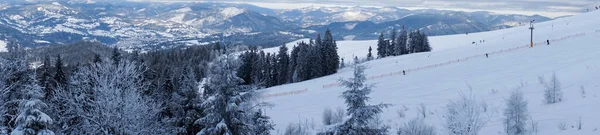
[549, 8]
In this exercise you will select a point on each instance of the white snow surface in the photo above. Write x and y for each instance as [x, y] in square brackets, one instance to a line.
[455, 65]
[3, 46]
[231, 11]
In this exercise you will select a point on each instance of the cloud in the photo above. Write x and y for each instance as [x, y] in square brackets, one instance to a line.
[551, 8]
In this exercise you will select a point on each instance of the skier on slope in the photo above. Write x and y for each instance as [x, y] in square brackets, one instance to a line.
[548, 42]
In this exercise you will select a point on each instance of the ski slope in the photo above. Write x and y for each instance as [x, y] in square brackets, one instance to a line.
[457, 66]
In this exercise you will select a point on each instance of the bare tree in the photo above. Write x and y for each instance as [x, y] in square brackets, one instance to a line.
[515, 114]
[553, 93]
[464, 116]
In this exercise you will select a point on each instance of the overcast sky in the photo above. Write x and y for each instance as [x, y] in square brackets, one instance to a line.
[550, 8]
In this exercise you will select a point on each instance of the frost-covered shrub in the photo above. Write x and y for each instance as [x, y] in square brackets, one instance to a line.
[416, 127]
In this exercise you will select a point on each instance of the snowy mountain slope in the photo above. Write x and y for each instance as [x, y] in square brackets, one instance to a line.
[573, 56]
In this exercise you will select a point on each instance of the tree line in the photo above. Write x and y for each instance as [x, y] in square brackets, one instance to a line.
[117, 92]
[306, 61]
[404, 43]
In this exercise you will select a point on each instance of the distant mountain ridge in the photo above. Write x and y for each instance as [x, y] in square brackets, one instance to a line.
[148, 26]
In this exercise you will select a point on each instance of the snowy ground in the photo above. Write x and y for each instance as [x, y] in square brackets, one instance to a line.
[574, 55]
[3, 46]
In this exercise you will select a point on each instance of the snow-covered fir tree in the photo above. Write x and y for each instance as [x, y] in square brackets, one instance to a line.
[402, 40]
[13, 88]
[360, 113]
[515, 114]
[263, 125]
[227, 103]
[283, 63]
[369, 55]
[188, 98]
[381, 46]
[391, 49]
[30, 119]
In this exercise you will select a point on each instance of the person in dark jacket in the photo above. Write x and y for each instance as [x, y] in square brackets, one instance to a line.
[548, 42]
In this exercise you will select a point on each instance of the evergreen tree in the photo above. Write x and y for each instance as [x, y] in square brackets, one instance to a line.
[248, 68]
[46, 80]
[332, 59]
[262, 124]
[381, 47]
[321, 53]
[60, 77]
[391, 48]
[283, 64]
[225, 113]
[31, 120]
[361, 114]
[515, 114]
[189, 99]
[402, 42]
[116, 56]
[270, 75]
[97, 58]
[294, 64]
[425, 43]
[303, 67]
[414, 42]
[316, 69]
[369, 55]
[14, 83]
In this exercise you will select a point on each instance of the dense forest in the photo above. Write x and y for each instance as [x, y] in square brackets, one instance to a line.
[89, 88]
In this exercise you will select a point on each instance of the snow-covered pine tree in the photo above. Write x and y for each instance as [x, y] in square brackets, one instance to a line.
[303, 67]
[425, 43]
[225, 113]
[116, 56]
[391, 49]
[45, 78]
[189, 99]
[321, 54]
[283, 64]
[332, 59]
[293, 64]
[271, 71]
[515, 114]
[60, 77]
[262, 124]
[15, 78]
[248, 68]
[97, 58]
[30, 119]
[360, 113]
[402, 42]
[381, 46]
[317, 69]
[414, 42]
[369, 55]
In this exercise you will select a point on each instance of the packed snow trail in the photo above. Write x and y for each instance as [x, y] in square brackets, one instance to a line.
[403, 72]
[576, 61]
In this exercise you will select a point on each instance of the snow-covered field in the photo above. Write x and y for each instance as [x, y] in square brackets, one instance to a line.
[573, 54]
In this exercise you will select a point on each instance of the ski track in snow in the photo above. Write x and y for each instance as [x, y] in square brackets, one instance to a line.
[571, 55]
